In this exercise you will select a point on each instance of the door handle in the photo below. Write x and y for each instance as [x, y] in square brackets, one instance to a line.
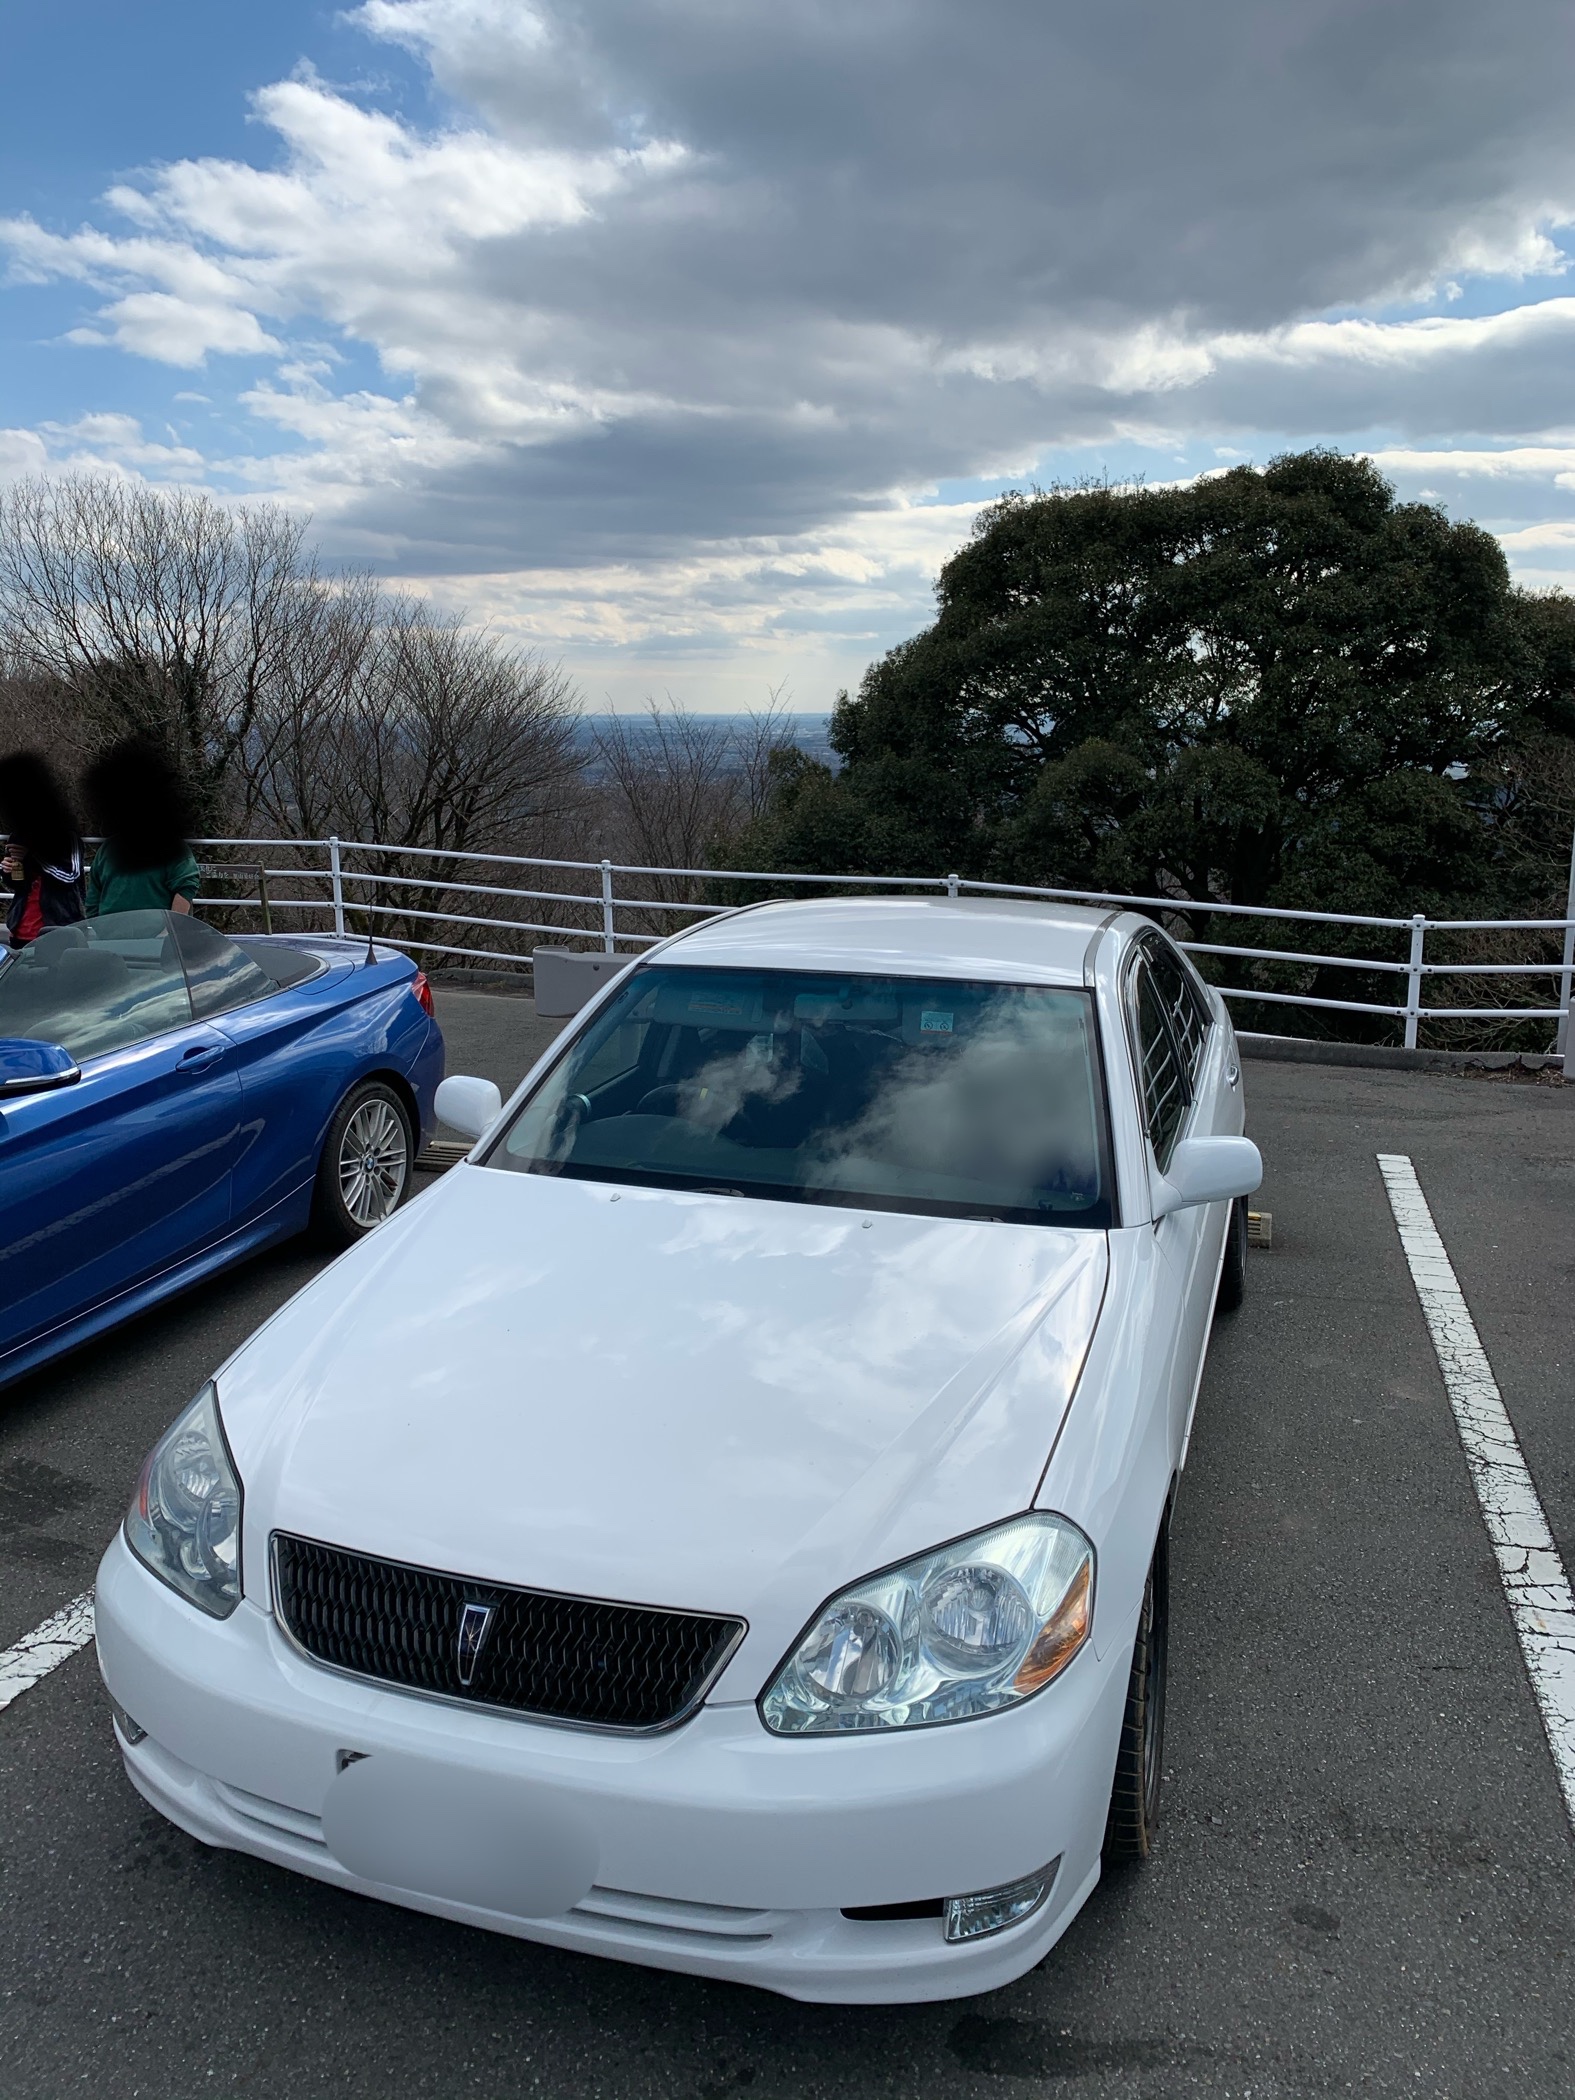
[1233, 1075]
[198, 1058]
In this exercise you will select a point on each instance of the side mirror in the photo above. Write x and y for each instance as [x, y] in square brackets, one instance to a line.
[1208, 1170]
[27, 1067]
[469, 1106]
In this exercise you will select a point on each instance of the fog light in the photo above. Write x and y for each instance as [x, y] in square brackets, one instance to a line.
[132, 1730]
[992, 1910]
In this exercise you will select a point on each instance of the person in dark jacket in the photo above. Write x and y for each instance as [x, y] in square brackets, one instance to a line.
[43, 853]
[138, 804]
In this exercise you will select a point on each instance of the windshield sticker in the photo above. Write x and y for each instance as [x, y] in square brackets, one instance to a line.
[931, 1023]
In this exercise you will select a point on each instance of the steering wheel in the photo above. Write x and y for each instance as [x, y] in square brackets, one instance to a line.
[660, 1101]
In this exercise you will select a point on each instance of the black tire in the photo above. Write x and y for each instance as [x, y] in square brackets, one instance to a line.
[367, 1164]
[1233, 1275]
[1133, 1821]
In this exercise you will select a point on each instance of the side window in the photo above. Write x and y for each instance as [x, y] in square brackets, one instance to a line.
[98, 986]
[1190, 1017]
[1164, 1083]
[219, 974]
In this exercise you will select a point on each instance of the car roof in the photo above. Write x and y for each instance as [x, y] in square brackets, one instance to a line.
[1010, 939]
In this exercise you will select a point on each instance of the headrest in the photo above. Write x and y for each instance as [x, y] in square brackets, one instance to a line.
[54, 942]
[83, 973]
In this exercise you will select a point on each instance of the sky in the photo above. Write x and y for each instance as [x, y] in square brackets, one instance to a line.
[684, 339]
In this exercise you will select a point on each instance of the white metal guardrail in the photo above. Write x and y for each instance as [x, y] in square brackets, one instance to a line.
[341, 886]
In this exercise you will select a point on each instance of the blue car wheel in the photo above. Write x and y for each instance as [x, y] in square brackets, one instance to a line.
[367, 1164]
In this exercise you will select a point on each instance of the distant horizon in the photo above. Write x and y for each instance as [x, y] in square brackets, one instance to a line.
[702, 714]
[810, 733]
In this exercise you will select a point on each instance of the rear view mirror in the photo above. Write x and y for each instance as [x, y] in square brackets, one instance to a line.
[469, 1106]
[1208, 1170]
[27, 1067]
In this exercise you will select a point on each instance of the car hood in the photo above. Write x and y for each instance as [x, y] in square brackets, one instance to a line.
[702, 1401]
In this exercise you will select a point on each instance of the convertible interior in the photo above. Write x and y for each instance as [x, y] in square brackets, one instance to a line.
[106, 983]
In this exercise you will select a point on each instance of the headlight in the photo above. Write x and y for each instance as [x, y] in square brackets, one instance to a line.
[965, 1630]
[185, 1518]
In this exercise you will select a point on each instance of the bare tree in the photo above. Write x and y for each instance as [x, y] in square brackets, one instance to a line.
[1531, 794]
[296, 702]
[668, 786]
[395, 724]
[675, 787]
[159, 610]
[672, 790]
[292, 774]
[302, 704]
[764, 737]
[37, 714]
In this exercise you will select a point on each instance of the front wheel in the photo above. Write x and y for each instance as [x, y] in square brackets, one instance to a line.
[367, 1164]
[1133, 1821]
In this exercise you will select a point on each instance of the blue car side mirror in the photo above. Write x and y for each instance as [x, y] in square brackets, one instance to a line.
[27, 1067]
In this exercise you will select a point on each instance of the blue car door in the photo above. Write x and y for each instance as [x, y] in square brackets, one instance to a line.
[126, 1173]
[293, 1049]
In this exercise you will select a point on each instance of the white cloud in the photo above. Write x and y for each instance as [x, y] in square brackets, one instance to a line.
[1508, 462]
[119, 444]
[22, 452]
[175, 331]
[660, 335]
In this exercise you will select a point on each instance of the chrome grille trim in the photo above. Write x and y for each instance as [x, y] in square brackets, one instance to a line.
[556, 1659]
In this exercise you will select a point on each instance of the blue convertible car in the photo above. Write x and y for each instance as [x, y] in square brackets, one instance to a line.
[171, 1100]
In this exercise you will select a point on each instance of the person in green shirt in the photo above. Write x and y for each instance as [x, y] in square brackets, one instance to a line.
[139, 806]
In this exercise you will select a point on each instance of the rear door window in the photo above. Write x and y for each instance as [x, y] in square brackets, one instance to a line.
[1162, 1074]
[1183, 1002]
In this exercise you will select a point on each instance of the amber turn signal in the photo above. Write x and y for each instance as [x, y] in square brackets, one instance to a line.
[1060, 1637]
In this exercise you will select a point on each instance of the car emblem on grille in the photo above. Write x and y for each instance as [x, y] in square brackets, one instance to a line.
[475, 1623]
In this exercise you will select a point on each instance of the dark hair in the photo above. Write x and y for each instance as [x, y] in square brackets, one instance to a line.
[34, 809]
[139, 805]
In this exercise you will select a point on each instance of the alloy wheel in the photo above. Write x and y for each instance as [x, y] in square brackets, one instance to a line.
[372, 1158]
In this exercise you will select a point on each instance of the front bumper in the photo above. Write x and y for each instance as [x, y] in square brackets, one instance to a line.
[718, 1848]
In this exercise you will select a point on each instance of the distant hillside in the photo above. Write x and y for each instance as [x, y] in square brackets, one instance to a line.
[809, 732]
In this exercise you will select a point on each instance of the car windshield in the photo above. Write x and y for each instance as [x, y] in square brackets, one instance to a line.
[98, 985]
[900, 1093]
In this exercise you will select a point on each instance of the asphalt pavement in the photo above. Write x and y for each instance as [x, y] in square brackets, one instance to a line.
[1365, 1876]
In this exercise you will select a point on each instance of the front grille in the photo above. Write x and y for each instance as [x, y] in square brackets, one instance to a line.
[563, 1658]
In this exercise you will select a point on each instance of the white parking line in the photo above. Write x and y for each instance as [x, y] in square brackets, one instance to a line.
[45, 1648]
[1540, 1601]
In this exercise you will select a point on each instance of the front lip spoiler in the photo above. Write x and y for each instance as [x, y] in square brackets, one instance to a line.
[485, 1706]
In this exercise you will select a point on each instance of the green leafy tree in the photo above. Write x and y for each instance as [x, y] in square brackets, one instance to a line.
[1276, 686]
[1271, 687]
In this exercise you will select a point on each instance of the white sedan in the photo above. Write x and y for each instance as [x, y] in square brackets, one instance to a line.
[723, 1525]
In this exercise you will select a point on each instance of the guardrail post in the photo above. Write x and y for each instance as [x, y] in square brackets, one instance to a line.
[336, 873]
[1413, 981]
[953, 884]
[1562, 1040]
[609, 939]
